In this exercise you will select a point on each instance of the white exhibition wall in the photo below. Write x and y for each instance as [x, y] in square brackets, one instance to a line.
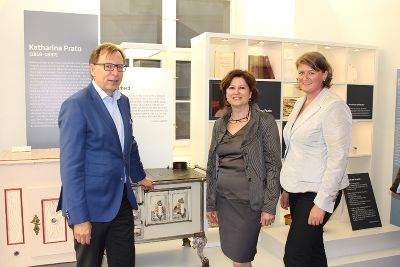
[367, 22]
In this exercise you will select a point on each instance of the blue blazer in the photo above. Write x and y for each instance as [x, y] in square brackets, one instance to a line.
[92, 162]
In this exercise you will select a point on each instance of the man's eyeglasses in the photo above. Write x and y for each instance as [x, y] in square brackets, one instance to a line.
[111, 66]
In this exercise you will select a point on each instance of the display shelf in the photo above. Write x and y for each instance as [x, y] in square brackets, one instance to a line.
[337, 57]
[282, 55]
[361, 139]
[360, 65]
[359, 164]
[221, 49]
[291, 51]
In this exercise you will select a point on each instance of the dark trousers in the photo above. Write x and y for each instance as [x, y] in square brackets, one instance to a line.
[305, 244]
[116, 237]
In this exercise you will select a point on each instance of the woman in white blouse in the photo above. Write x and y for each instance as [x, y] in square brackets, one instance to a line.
[317, 137]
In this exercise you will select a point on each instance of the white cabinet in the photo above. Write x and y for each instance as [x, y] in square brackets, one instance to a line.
[32, 232]
[353, 70]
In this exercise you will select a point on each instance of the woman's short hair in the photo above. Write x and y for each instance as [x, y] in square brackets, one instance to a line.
[247, 76]
[318, 62]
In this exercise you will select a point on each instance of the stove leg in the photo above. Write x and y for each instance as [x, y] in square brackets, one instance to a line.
[186, 242]
[199, 242]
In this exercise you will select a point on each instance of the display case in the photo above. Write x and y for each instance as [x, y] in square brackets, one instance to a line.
[353, 80]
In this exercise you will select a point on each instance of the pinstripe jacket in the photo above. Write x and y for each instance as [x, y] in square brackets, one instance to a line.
[261, 153]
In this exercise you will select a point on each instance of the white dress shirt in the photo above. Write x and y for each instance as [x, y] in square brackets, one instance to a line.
[317, 146]
[112, 106]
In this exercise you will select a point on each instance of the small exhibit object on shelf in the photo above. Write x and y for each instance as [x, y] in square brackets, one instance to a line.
[351, 73]
[223, 63]
[288, 104]
[261, 67]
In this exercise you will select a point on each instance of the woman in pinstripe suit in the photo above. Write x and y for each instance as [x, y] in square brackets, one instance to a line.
[243, 169]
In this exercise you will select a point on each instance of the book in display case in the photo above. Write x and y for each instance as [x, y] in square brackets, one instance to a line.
[272, 60]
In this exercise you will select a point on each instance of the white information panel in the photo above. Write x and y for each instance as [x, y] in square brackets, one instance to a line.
[150, 94]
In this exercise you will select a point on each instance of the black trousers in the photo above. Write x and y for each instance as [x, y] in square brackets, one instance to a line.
[305, 244]
[116, 237]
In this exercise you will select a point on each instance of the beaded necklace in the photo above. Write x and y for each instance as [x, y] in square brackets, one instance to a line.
[244, 119]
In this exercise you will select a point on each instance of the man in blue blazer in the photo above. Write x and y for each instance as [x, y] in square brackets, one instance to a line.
[99, 161]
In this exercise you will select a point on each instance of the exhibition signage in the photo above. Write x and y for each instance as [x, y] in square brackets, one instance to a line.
[269, 99]
[57, 48]
[361, 202]
[150, 94]
[360, 100]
